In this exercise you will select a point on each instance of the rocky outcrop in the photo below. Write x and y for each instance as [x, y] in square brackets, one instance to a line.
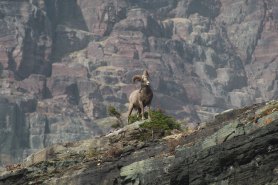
[229, 149]
[204, 56]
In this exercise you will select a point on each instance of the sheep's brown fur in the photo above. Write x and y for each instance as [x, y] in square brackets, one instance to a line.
[142, 97]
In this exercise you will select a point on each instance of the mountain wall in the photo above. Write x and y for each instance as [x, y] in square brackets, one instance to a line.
[63, 62]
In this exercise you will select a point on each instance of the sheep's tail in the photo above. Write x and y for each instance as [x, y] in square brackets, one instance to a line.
[136, 77]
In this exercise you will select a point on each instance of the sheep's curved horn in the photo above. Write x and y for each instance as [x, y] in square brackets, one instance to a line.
[136, 77]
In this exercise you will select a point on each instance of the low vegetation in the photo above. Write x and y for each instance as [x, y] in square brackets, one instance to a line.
[159, 125]
[134, 117]
[113, 112]
[272, 107]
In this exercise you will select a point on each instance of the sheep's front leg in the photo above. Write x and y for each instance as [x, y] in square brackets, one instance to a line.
[142, 109]
[149, 112]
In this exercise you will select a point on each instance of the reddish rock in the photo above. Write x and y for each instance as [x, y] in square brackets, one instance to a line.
[61, 69]
[95, 51]
[34, 84]
[60, 85]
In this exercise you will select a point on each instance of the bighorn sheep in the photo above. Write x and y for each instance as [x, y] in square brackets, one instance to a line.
[142, 97]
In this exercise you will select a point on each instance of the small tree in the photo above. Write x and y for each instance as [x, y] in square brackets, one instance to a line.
[160, 124]
[113, 112]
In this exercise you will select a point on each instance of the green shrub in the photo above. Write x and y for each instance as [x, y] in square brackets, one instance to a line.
[159, 125]
[133, 118]
[113, 112]
[116, 125]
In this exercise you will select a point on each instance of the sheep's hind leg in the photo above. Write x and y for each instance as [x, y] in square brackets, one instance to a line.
[130, 108]
[139, 112]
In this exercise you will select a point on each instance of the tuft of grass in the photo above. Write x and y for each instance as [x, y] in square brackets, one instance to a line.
[92, 152]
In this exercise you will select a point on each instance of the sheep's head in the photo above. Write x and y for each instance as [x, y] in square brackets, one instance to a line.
[144, 79]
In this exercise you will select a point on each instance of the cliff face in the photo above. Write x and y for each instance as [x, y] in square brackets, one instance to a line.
[237, 147]
[63, 62]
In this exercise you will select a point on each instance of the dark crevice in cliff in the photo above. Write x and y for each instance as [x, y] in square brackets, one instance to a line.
[250, 50]
[11, 61]
[14, 132]
[225, 45]
[65, 14]
[73, 94]
[113, 14]
[28, 62]
[46, 131]
[206, 8]
[36, 39]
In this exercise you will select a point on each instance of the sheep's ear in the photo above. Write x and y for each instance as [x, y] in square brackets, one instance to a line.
[145, 73]
[136, 77]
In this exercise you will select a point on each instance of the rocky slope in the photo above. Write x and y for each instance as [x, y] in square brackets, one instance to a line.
[237, 147]
[62, 62]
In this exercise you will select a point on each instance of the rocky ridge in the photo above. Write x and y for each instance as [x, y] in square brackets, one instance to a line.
[237, 147]
[62, 62]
